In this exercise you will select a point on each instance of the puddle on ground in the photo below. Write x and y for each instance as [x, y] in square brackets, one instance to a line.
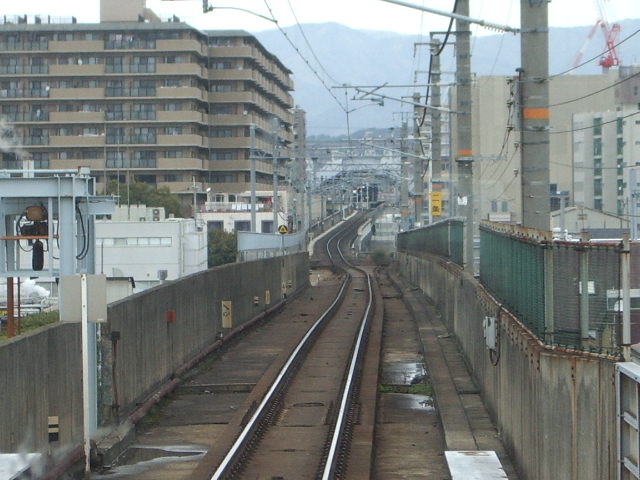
[403, 373]
[138, 458]
[411, 401]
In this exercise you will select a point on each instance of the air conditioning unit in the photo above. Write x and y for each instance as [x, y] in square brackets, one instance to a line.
[156, 211]
[156, 218]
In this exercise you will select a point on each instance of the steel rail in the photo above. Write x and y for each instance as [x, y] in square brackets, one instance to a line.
[332, 458]
[229, 459]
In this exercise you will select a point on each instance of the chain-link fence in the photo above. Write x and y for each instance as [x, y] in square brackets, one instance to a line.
[444, 238]
[568, 293]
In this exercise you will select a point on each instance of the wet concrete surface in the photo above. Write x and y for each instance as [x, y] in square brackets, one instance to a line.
[409, 441]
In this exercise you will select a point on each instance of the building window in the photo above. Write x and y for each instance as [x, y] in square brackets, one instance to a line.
[173, 82]
[505, 206]
[597, 146]
[222, 132]
[173, 154]
[494, 206]
[242, 226]
[172, 107]
[597, 187]
[173, 178]
[173, 131]
[620, 146]
[267, 226]
[214, 225]
[597, 126]
[222, 156]
[619, 125]
[620, 187]
[597, 204]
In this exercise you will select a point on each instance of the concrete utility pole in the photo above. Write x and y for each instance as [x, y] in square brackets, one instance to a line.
[534, 98]
[418, 164]
[464, 155]
[436, 125]
[252, 176]
[275, 204]
[404, 186]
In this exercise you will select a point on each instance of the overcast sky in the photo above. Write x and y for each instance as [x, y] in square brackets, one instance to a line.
[367, 14]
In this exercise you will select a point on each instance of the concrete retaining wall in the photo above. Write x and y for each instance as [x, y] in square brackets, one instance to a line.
[554, 409]
[147, 337]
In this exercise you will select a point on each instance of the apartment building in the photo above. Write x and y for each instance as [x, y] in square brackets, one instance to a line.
[606, 149]
[137, 98]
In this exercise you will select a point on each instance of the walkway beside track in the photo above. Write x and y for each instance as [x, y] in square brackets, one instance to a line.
[465, 421]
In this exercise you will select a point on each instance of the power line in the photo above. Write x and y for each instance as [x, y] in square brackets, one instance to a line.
[304, 59]
[597, 57]
[595, 92]
[591, 126]
[304, 36]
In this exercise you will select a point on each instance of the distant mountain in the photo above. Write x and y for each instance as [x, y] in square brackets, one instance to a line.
[368, 57]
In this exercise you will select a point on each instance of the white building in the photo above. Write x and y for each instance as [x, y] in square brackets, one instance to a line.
[605, 146]
[139, 242]
[496, 140]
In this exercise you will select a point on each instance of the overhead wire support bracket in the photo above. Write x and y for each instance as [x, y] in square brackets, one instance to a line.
[477, 21]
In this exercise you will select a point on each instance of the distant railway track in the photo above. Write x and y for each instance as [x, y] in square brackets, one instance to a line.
[302, 426]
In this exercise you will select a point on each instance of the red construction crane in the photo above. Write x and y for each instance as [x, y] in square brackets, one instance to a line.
[610, 32]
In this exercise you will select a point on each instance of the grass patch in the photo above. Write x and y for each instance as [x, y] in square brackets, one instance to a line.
[418, 389]
[31, 322]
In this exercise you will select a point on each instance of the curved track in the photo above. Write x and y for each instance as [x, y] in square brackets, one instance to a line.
[302, 426]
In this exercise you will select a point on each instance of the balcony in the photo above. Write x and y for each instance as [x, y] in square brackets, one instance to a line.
[180, 92]
[77, 117]
[181, 164]
[24, 46]
[180, 116]
[76, 45]
[77, 141]
[129, 44]
[231, 74]
[181, 45]
[180, 69]
[180, 140]
[76, 93]
[72, 70]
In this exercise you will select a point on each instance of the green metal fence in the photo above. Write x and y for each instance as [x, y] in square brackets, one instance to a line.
[444, 238]
[540, 280]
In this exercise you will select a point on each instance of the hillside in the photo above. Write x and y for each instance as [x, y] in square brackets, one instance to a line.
[367, 57]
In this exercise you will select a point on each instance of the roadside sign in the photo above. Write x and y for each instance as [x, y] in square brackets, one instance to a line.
[283, 229]
[436, 204]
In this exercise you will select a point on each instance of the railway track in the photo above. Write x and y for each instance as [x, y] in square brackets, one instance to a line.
[302, 426]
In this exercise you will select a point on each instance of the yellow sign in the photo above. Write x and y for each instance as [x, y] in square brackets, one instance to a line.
[436, 204]
[283, 229]
[227, 314]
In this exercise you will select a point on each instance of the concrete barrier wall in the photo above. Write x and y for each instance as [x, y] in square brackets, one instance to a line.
[147, 337]
[554, 409]
[40, 375]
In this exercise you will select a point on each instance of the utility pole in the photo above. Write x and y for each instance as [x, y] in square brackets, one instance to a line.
[464, 154]
[436, 124]
[252, 176]
[275, 204]
[404, 174]
[418, 164]
[534, 99]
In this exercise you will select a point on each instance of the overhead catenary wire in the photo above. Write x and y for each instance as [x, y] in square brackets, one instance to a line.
[591, 126]
[596, 91]
[597, 57]
[306, 40]
[304, 59]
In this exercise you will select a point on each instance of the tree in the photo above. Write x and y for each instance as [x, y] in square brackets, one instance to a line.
[146, 194]
[222, 248]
